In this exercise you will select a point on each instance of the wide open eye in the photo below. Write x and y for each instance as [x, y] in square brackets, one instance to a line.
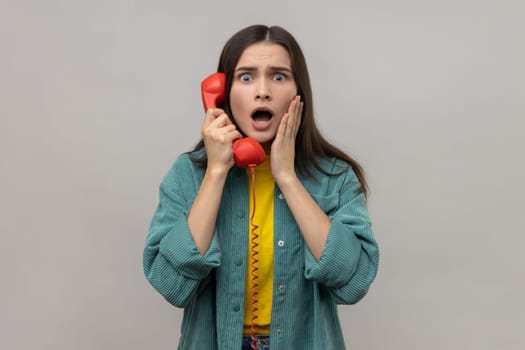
[245, 77]
[279, 77]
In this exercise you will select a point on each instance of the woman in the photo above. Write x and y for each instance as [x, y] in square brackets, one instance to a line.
[262, 263]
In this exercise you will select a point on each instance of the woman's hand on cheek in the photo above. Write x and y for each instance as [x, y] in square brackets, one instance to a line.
[218, 134]
[283, 146]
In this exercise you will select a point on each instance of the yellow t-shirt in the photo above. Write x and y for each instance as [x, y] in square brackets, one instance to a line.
[263, 218]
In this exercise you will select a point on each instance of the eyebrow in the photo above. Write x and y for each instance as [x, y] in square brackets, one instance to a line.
[273, 68]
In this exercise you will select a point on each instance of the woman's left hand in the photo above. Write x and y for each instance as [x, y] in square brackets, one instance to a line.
[283, 146]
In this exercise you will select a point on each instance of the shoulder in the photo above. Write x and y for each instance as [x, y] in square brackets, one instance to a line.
[332, 175]
[184, 169]
[333, 168]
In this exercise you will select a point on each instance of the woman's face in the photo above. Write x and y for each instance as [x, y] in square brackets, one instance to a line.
[263, 87]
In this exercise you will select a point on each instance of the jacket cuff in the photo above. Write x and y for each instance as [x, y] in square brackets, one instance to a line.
[180, 250]
[338, 261]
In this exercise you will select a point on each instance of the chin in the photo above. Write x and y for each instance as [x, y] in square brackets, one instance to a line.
[263, 139]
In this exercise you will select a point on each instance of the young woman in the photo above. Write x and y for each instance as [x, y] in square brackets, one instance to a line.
[260, 262]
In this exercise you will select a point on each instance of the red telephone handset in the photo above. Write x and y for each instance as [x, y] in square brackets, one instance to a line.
[246, 151]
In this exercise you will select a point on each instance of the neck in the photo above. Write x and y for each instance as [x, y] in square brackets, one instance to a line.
[267, 147]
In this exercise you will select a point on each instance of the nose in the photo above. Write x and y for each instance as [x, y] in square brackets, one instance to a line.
[262, 91]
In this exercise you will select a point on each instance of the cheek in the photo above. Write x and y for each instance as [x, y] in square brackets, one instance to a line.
[237, 96]
[290, 92]
[234, 102]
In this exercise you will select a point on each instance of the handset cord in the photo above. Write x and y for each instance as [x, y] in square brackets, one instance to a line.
[255, 251]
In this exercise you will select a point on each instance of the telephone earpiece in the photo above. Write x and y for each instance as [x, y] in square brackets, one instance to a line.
[246, 151]
[212, 89]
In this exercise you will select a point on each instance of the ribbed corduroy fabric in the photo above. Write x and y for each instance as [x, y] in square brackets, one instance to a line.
[306, 292]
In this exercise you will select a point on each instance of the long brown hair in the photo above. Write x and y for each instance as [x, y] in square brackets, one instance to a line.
[310, 145]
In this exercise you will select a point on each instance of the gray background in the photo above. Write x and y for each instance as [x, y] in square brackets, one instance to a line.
[99, 97]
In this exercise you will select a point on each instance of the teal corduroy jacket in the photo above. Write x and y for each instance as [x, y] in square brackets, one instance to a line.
[306, 292]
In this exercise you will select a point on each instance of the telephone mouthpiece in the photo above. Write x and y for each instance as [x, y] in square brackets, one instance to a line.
[248, 152]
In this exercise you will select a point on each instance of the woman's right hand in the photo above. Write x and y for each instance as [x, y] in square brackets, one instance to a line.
[218, 134]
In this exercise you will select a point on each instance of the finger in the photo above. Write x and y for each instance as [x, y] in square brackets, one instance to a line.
[284, 125]
[292, 106]
[281, 131]
[295, 117]
[232, 135]
[298, 118]
[218, 131]
[297, 107]
[217, 127]
[227, 129]
[293, 114]
[212, 114]
[296, 112]
[221, 121]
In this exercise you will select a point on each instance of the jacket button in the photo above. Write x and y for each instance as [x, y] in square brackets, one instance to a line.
[236, 307]
[278, 330]
[280, 243]
[281, 288]
[281, 196]
[238, 262]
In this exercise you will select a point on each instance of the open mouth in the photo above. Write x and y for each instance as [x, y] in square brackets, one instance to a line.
[262, 115]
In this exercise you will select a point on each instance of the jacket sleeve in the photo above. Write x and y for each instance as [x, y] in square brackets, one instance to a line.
[172, 263]
[348, 264]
